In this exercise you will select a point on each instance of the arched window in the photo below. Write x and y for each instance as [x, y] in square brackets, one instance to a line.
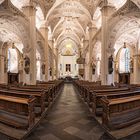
[124, 62]
[38, 70]
[38, 65]
[12, 60]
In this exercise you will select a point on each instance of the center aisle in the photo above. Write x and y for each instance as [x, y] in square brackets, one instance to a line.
[69, 119]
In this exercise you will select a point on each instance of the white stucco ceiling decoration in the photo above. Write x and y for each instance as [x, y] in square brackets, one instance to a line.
[37, 3]
[12, 30]
[7, 36]
[39, 17]
[19, 4]
[125, 25]
[10, 37]
[72, 37]
[97, 18]
[137, 2]
[130, 37]
[69, 18]
[131, 27]
[117, 3]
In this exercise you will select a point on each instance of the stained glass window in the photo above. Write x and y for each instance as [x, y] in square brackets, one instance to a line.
[12, 60]
[124, 62]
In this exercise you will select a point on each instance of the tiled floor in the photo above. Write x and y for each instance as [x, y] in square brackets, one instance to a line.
[69, 119]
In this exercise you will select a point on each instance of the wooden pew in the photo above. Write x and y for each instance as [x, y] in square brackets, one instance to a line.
[120, 112]
[50, 90]
[32, 90]
[3, 86]
[96, 99]
[40, 98]
[94, 96]
[90, 89]
[17, 112]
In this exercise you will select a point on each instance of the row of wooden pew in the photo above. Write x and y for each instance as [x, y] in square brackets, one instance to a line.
[117, 106]
[21, 106]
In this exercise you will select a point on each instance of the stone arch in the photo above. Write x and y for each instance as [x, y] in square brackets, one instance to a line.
[122, 21]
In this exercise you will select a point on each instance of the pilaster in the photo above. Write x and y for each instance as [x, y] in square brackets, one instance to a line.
[92, 32]
[44, 30]
[136, 65]
[106, 11]
[30, 12]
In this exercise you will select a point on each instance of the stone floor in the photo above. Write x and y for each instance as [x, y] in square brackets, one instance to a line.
[69, 119]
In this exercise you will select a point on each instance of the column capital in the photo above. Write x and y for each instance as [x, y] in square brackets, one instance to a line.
[107, 10]
[92, 27]
[85, 41]
[29, 9]
[32, 3]
[136, 55]
[44, 25]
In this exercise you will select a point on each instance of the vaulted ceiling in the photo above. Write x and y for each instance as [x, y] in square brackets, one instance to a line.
[69, 20]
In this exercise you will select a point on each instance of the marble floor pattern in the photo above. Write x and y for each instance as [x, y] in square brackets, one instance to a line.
[69, 119]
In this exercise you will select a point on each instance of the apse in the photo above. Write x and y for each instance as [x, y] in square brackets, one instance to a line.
[67, 60]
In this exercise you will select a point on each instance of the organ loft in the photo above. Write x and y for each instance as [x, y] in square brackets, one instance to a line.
[69, 69]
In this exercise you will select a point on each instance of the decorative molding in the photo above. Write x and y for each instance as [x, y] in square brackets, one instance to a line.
[127, 8]
[7, 5]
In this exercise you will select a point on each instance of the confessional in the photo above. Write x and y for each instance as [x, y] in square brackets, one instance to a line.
[124, 78]
[13, 78]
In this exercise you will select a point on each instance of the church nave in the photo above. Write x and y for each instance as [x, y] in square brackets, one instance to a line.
[69, 69]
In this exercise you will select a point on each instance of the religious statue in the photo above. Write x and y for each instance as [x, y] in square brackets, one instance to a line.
[93, 68]
[50, 71]
[81, 72]
[27, 65]
[5, 65]
[131, 64]
[43, 68]
[110, 64]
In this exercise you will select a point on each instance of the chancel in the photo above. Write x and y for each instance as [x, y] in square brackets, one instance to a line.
[69, 69]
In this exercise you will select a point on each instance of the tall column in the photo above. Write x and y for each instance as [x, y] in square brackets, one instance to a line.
[30, 12]
[92, 31]
[56, 63]
[1, 66]
[4, 63]
[85, 43]
[106, 11]
[53, 59]
[136, 65]
[44, 31]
